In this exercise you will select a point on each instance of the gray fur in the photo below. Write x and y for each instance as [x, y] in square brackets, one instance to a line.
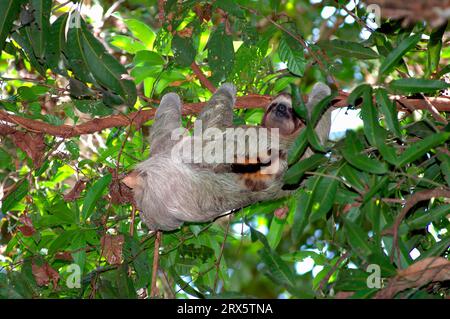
[170, 193]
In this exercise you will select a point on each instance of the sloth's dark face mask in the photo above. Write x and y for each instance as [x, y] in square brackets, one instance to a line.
[279, 114]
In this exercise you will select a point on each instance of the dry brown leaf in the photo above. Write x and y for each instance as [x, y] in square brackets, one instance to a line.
[430, 269]
[185, 33]
[281, 212]
[75, 191]
[112, 248]
[203, 12]
[64, 255]
[120, 192]
[27, 229]
[45, 274]
[32, 144]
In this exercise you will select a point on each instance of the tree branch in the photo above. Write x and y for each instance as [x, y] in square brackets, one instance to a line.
[410, 203]
[442, 104]
[154, 288]
[202, 78]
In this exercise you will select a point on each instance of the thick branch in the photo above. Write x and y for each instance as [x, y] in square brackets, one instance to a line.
[442, 104]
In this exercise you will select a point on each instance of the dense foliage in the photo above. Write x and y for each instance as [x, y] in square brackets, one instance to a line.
[373, 205]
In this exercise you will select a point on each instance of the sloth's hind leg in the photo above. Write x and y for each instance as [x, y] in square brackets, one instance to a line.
[218, 112]
[167, 120]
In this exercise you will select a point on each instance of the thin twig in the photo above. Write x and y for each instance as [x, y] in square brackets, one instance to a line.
[217, 264]
[202, 77]
[434, 112]
[333, 270]
[298, 38]
[154, 289]
[133, 216]
[410, 203]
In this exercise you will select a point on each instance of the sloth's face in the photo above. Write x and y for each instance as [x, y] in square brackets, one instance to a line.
[279, 114]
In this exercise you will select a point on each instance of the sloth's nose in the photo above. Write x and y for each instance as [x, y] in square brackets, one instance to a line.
[281, 110]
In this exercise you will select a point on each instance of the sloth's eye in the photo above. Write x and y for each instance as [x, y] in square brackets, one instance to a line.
[281, 110]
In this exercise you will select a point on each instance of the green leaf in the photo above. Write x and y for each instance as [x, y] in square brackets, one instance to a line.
[377, 184]
[320, 108]
[15, 196]
[141, 31]
[298, 104]
[291, 52]
[376, 135]
[395, 55]
[352, 153]
[106, 69]
[295, 173]
[76, 57]
[302, 255]
[23, 38]
[183, 50]
[5, 160]
[9, 11]
[353, 177]
[278, 270]
[298, 148]
[389, 111]
[57, 44]
[126, 43]
[418, 85]
[32, 93]
[132, 252]
[436, 250]
[62, 241]
[220, 53]
[349, 49]
[147, 58]
[275, 231]
[418, 149]
[93, 107]
[357, 238]
[351, 280]
[184, 285]
[40, 26]
[313, 139]
[443, 71]
[357, 93]
[303, 202]
[422, 219]
[445, 166]
[78, 245]
[323, 196]
[229, 6]
[93, 194]
[434, 48]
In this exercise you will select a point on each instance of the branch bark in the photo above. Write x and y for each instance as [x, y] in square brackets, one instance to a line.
[250, 101]
[202, 77]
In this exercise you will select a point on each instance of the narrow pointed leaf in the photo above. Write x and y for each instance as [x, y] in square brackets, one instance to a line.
[352, 153]
[349, 49]
[412, 85]
[291, 52]
[419, 149]
[395, 55]
[295, 173]
[9, 11]
[389, 111]
[93, 194]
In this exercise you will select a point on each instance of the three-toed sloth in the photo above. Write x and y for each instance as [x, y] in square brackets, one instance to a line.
[196, 178]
